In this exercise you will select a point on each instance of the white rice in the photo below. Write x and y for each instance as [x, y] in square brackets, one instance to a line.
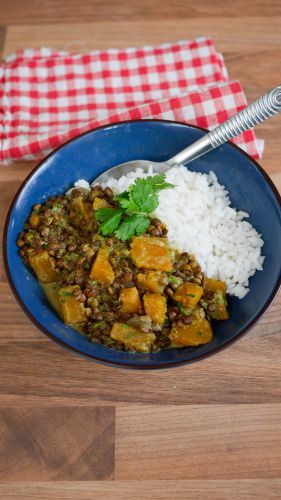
[81, 183]
[200, 221]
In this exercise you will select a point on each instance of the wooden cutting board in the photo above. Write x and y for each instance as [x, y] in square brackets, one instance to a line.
[70, 428]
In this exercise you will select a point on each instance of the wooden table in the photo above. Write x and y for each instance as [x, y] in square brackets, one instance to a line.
[72, 429]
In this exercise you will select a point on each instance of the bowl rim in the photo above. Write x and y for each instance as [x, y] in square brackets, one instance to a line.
[133, 365]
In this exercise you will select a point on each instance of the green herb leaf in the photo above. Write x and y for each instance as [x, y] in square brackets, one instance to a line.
[110, 219]
[97, 325]
[219, 299]
[64, 294]
[56, 206]
[109, 226]
[204, 304]
[130, 335]
[184, 311]
[29, 236]
[134, 224]
[123, 199]
[102, 214]
[175, 279]
[144, 195]
[140, 200]
[71, 256]
[158, 182]
[143, 225]
[127, 203]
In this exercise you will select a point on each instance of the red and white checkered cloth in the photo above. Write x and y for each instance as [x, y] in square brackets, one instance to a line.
[48, 97]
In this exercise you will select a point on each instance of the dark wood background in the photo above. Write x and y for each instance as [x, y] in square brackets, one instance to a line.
[70, 428]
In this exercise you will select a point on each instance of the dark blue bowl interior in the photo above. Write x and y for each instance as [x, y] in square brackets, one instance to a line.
[88, 156]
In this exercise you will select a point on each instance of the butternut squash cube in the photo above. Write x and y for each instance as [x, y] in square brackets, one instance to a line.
[197, 333]
[211, 285]
[188, 294]
[44, 266]
[154, 281]
[81, 208]
[72, 310]
[34, 220]
[155, 306]
[102, 270]
[220, 313]
[151, 253]
[130, 300]
[132, 337]
[100, 203]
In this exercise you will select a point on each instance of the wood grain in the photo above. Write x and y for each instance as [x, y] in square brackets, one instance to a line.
[248, 489]
[2, 38]
[210, 442]
[70, 443]
[36, 11]
[247, 372]
[70, 428]
[95, 35]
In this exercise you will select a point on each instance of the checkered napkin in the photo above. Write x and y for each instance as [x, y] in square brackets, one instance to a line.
[48, 97]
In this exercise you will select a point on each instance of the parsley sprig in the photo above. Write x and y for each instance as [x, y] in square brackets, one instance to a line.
[132, 216]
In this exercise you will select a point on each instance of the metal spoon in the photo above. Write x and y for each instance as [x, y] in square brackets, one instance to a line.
[265, 107]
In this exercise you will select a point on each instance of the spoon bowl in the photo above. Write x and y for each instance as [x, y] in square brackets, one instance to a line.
[124, 168]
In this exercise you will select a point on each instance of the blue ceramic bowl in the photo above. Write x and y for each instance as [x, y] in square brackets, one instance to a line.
[88, 156]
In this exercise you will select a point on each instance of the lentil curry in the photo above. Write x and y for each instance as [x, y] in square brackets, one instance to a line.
[133, 295]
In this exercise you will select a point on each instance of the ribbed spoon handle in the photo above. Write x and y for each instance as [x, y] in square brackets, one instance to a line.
[265, 107]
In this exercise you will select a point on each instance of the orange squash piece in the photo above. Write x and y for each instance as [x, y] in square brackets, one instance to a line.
[102, 270]
[197, 333]
[81, 208]
[100, 203]
[154, 281]
[132, 337]
[220, 301]
[155, 306]
[130, 300]
[44, 266]
[188, 294]
[212, 285]
[34, 220]
[151, 253]
[72, 310]
[220, 313]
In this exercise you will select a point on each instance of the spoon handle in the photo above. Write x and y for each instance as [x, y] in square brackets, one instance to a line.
[265, 107]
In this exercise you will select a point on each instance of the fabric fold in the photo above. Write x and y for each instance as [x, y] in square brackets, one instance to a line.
[48, 97]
